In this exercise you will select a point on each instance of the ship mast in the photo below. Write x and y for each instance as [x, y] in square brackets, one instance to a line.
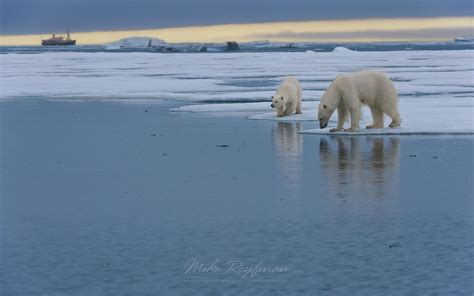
[68, 37]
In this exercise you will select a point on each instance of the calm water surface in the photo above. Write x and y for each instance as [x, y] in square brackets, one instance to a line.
[131, 199]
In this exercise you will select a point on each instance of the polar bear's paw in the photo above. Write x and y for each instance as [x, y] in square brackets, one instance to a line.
[394, 124]
[351, 129]
[374, 126]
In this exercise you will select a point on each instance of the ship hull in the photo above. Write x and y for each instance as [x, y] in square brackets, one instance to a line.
[56, 43]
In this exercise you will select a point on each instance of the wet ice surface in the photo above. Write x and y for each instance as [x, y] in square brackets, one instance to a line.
[428, 116]
[110, 198]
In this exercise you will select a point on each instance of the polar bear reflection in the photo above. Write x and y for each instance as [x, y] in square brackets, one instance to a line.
[288, 145]
[351, 168]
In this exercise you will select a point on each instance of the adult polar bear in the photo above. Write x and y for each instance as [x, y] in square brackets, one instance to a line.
[287, 98]
[347, 94]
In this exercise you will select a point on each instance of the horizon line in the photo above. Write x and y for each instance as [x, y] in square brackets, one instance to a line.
[289, 31]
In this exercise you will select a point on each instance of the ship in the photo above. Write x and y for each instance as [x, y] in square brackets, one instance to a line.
[61, 41]
[464, 39]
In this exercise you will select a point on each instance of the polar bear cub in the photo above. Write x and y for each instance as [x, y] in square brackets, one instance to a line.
[287, 99]
[347, 94]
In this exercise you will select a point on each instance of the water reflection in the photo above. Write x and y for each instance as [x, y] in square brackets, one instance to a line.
[288, 145]
[367, 166]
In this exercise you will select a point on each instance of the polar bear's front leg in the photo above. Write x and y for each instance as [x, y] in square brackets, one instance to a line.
[355, 119]
[280, 111]
[341, 118]
[289, 109]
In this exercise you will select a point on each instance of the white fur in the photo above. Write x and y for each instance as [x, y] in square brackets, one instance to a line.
[287, 99]
[347, 94]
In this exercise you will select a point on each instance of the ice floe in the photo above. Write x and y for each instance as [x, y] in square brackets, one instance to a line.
[428, 116]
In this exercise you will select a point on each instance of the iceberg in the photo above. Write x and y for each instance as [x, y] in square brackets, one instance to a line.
[136, 42]
[342, 50]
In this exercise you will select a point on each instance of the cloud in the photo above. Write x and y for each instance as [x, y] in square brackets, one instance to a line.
[48, 16]
[424, 29]
[410, 34]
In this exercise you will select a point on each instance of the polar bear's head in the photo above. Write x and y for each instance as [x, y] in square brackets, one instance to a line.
[278, 100]
[329, 103]
[325, 110]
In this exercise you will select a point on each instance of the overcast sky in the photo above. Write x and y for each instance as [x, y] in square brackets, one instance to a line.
[44, 16]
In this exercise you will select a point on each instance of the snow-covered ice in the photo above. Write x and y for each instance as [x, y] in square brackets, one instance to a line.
[224, 77]
[431, 84]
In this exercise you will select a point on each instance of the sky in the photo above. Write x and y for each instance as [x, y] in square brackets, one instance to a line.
[34, 18]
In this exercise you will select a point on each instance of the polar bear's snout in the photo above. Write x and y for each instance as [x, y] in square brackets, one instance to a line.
[322, 123]
[273, 106]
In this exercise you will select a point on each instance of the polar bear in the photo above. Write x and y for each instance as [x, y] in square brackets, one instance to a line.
[347, 94]
[287, 98]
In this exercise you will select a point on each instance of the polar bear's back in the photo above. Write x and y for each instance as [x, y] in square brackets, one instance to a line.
[291, 80]
[291, 85]
[373, 86]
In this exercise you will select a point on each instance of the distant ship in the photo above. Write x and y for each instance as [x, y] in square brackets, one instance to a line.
[58, 40]
[464, 39]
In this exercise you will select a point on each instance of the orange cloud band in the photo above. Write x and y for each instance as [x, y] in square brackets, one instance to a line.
[318, 31]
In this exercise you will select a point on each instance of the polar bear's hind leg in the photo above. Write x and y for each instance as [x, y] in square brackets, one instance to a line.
[389, 106]
[394, 115]
[396, 120]
[377, 117]
[298, 107]
[299, 98]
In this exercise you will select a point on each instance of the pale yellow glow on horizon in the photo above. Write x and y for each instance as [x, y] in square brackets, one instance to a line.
[244, 32]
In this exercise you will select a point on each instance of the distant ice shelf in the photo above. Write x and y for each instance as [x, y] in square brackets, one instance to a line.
[135, 42]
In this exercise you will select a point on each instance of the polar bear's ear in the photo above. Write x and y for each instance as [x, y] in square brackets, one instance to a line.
[325, 106]
[272, 97]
